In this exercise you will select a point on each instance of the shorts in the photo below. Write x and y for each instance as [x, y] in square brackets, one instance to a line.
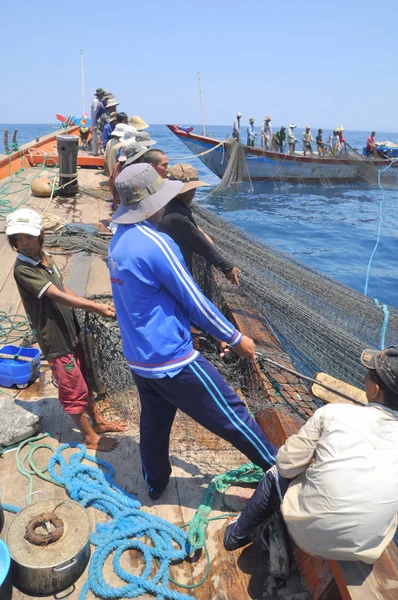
[70, 374]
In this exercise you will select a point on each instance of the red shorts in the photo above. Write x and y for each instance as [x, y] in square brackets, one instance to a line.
[69, 372]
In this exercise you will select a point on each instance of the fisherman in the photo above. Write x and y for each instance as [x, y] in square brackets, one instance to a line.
[266, 134]
[50, 305]
[159, 161]
[179, 223]
[251, 134]
[114, 118]
[105, 118]
[343, 142]
[99, 94]
[371, 145]
[156, 301]
[334, 144]
[336, 479]
[307, 139]
[236, 128]
[279, 139]
[320, 144]
[112, 147]
[291, 138]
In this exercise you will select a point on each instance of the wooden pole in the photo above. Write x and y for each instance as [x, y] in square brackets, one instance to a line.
[82, 73]
[201, 107]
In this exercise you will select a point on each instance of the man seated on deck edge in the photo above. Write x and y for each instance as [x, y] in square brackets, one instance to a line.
[336, 480]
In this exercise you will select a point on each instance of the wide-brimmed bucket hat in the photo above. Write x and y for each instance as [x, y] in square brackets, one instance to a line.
[138, 123]
[339, 128]
[99, 92]
[119, 130]
[111, 102]
[292, 125]
[145, 138]
[133, 151]
[142, 193]
[129, 134]
[188, 175]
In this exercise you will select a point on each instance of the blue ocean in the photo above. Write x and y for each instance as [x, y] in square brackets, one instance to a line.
[332, 228]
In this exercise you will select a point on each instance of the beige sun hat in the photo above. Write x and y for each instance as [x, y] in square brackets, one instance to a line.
[339, 128]
[188, 175]
[138, 123]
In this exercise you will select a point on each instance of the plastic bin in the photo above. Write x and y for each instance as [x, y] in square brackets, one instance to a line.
[18, 372]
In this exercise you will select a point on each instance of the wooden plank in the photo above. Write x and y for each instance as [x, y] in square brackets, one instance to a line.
[77, 276]
[342, 391]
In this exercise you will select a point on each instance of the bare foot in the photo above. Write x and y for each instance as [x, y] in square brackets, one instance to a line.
[106, 426]
[101, 443]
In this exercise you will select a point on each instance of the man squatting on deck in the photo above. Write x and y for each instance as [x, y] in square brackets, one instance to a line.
[49, 306]
[336, 480]
[157, 301]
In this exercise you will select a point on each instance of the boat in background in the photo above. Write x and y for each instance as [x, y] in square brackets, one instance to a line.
[266, 165]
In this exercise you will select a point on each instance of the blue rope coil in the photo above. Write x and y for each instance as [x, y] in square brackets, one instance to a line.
[129, 529]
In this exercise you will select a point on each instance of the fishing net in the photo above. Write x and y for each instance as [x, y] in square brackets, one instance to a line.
[322, 324]
[276, 166]
[236, 171]
[77, 237]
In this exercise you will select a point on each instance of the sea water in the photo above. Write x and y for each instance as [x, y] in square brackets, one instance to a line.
[332, 228]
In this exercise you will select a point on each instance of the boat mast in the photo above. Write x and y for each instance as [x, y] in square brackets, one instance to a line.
[82, 72]
[201, 107]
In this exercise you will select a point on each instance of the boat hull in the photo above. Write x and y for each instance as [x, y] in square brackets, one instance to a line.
[274, 166]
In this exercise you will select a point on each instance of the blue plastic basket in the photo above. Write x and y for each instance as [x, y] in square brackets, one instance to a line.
[5, 562]
[18, 372]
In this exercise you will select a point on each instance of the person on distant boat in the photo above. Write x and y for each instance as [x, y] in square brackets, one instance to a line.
[266, 134]
[159, 161]
[50, 305]
[371, 145]
[279, 139]
[99, 94]
[236, 128]
[178, 222]
[251, 134]
[307, 139]
[156, 302]
[334, 144]
[291, 138]
[335, 481]
[343, 142]
[320, 144]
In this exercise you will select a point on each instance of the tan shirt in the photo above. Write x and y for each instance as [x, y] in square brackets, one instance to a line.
[344, 504]
[110, 154]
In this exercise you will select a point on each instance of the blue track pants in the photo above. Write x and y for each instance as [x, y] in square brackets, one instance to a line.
[200, 392]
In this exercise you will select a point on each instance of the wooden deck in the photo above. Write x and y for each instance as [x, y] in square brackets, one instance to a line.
[234, 576]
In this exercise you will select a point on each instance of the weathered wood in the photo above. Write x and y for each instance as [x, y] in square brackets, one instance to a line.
[342, 394]
[278, 554]
[77, 276]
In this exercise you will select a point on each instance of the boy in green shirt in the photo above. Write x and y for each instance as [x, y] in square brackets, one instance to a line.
[49, 306]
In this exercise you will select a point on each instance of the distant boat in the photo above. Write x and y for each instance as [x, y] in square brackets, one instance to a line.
[266, 165]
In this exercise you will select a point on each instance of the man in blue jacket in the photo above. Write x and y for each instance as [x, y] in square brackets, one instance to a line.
[156, 301]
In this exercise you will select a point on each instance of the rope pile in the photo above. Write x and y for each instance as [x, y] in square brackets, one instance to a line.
[159, 541]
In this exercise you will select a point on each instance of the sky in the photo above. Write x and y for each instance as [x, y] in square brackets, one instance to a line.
[309, 61]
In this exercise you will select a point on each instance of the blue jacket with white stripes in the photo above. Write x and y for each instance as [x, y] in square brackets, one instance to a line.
[156, 300]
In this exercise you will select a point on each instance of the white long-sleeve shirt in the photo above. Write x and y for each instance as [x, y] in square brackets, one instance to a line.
[344, 504]
[291, 138]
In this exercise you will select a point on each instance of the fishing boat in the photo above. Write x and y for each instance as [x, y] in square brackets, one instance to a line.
[263, 165]
[196, 455]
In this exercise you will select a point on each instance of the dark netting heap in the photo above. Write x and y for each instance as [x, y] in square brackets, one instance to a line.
[322, 324]
[110, 375]
[78, 237]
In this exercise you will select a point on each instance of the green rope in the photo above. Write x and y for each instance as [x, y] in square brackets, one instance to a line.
[13, 327]
[247, 473]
